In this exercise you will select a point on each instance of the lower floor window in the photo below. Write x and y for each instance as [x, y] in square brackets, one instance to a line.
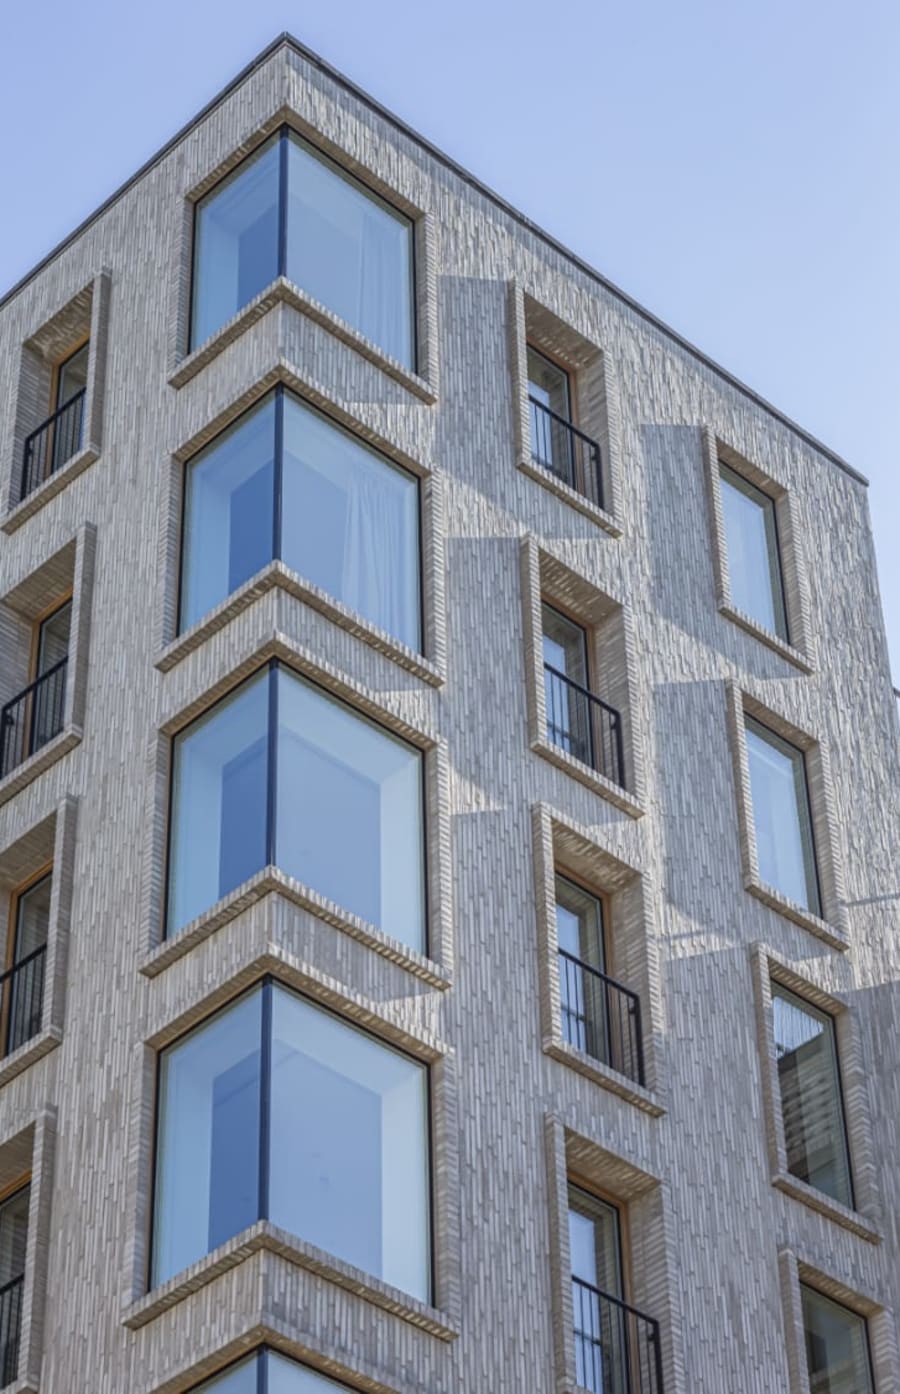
[13, 1243]
[837, 1346]
[277, 1109]
[267, 1372]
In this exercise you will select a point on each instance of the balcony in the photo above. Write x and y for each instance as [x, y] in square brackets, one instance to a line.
[11, 1294]
[601, 1017]
[22, 1000]
[54, 442]
[584, 726]
[617, 1348]
[570, 455]
[33, 717]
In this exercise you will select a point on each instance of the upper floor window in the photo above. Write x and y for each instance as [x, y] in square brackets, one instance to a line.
[811, 1104]
[280, 773]
[22, 984]
[754, 557]
[288, 210]
[782, 816]
[269, 1372]
[837, 1346]
[277, 1109]
[59, 436]
[287, 482]
[557, 444]
[578, 721]
[13, 1247]
[35, 715]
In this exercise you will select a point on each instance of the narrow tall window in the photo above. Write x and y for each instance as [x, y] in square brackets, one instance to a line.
[578, 721]
[268, 1372]
[22, 995]
[550, 403]
[754, 559]
[285, 481]
[280, 773]
[837, 1346]
[601, 1335]
[289, 210]
[782, 817]
[13, 1247]
[811, 1104]
[277, 1109]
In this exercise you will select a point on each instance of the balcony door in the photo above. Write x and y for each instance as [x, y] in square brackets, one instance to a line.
[579, 928]
[601, 1333]
[550, 405]
[566, 684]
[13, 1242]
[23, 991]
[51, 651]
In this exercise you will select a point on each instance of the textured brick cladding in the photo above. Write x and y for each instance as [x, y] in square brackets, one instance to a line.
[716, 1246]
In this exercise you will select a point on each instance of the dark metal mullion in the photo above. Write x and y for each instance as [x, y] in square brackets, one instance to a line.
[282, 201]
[278, 474]
[265, 1109]
[272, 763]
[262, 1370]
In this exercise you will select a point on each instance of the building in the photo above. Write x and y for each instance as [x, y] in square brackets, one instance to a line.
[448, 813]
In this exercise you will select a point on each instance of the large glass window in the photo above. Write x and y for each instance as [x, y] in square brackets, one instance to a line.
[781, 816]
[811, 1104]
[267, 1372]
[287, 482]
[280, 773]
[837, 1346]
[754, 561]
[289, 210]
[277, 1109]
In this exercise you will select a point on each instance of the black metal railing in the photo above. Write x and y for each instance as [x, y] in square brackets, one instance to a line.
[584, 725]
[54, 442]
[10, 1328]
[601, 1017]
[33, 717]
[22, 999]
[617, 1348]
[558, 446]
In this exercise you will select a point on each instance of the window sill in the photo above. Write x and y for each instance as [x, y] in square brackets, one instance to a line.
[571, 496]
[277, 575]
[283, 291]
[836, 938]
[273, 881]
[38, 762]
[765, 636]
[591, 777]
[853, 1220]
[29, 1052]
[604, 1075]
[50, 488]
[266, 1236]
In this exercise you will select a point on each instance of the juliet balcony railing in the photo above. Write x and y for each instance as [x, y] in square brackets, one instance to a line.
[617, 1348]
[601, 1017]
[54, 442]
[22, 1000]
[584, 725]
[33, 717]
[558, 446]
[10, 1329]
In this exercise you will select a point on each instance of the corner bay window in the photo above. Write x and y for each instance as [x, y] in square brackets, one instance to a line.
[287, 482]
[811, 1104]
[280, 773]
[754, 560]
[782, 817]
[837, 1346]
[268, 1372]
[276, 1109]
[288, 210]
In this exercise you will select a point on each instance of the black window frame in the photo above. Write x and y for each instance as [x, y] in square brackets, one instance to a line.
[746, 486]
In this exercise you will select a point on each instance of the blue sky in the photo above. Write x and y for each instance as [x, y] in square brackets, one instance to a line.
[732, 166]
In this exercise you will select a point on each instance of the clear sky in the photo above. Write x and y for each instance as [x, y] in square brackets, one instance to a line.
[732, 165]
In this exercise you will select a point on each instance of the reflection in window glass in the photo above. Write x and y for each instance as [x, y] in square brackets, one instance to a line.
[754, 564]
[781, 816]
[350, 522]
[235, 242]
[579, 927]
[601, 1335]
[350, 250]
[219, 800]
[346, 783]
[237, 1379]
[837, 1346]
[228, 512]
[72, 375]
[811, 1106]
[349, 1169]
[267, 1372]
[207, 1167]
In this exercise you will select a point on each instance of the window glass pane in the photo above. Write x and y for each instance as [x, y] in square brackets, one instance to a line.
[349, 819]
[579, 927]
[350, 522]
[548, 383]
[287, 1377]
[207, 1164]
[228, 512]
[810, 1095]
[837, 1346]
[601, 1336]
[72, 375]
[350, 251]
[219, 800]
[565, 645]
[349, 1148]
[14, 1235]
[754, 565]
[32, 918]
[53, 638]
[237, 1379]
[784, 838]
[235, 242]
